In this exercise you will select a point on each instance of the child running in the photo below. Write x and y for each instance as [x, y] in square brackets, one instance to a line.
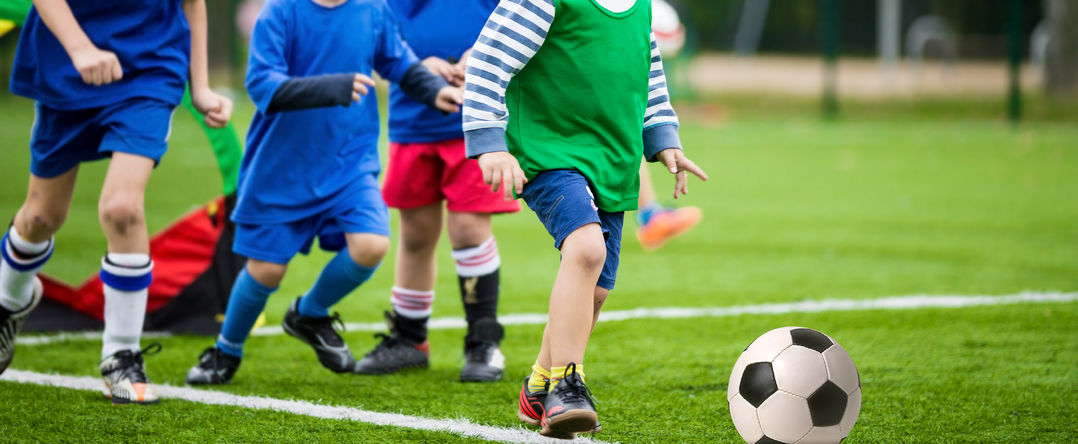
[563, 97]
[426, 167]
[106, 77]
[311, 167]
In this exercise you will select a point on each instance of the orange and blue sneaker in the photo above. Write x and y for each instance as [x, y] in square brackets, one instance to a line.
[659, 224]
[568, 408]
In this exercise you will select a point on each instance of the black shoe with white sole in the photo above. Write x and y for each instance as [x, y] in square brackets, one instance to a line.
[484, 361]
[214, 367]
[319, 333]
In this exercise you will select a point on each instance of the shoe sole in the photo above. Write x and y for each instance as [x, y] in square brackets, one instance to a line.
[347, 369]
[568, 424]
[423, 366]
[482, 378]
[527, 419]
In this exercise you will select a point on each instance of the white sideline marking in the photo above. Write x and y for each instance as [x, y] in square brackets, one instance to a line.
[890, 303]
[461, 427]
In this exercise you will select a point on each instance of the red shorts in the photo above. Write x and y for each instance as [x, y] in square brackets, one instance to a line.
[421, 174]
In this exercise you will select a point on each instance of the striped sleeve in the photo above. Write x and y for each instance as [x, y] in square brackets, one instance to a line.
[511, 37]
[660, 121]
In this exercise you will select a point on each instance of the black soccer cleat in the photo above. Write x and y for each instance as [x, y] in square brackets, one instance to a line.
[11, 324]
[568, 408]
[394, 353]
[530, 404]
[484, 361]
[319, 333]
[214, 367]
[125, 376]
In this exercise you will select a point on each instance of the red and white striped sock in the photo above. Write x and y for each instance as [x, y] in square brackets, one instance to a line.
[413, 304]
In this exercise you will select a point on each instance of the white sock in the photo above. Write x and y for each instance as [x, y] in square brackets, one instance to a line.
[412, 304]
[16, 286]
[125, 300]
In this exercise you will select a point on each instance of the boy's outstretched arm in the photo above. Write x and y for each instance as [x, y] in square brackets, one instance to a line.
[661, 140]
[511, 37]
[217, 109]
[96, 66]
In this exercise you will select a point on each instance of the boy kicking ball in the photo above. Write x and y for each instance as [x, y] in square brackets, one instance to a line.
[311, 167]
[106, 79]
[562, 99]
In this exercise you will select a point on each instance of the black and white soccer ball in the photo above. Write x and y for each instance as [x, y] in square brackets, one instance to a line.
[794, 385]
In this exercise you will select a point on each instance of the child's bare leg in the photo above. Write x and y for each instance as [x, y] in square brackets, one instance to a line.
[420, 229]
[544, 350]
[121, 208]
[583, 256]
[126, 270]
[28, 240]
[46, 206]
[416, 272]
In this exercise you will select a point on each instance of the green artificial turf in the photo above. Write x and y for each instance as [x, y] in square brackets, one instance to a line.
[914, 202]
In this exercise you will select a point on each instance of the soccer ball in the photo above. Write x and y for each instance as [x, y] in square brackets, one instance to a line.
[669, 33]
[794, 385]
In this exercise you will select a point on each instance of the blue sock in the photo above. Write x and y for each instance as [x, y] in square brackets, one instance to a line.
[643, 215]
[340, 277]
[246, 302]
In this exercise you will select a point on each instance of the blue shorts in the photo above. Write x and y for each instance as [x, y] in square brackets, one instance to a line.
[563, 200]
[362, 212]
[62, 139]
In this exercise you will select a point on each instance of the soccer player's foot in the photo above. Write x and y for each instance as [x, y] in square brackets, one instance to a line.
[125, 376]
[394, 353]
[530, 404]
[214, 367]
[665, 224]
[484, 361]
[319, 333]
[568, 408]
[11, 323]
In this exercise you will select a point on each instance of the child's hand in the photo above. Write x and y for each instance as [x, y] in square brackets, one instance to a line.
[97, 67]
[450, 72]
[501, 169]
[215, 108]
[359, 86]
[449, 99]
[678, 164]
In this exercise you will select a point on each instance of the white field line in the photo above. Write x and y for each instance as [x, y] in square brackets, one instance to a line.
[911, 302]
[461, 427]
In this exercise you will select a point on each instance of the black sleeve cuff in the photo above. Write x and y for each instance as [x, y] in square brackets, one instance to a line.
[422, 85]
[313, 92]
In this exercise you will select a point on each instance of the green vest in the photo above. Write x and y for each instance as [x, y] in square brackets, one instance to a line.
[579, 103]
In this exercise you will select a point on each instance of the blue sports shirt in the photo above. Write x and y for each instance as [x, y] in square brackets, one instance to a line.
[151, 39]
[443, 29]
[301, 163]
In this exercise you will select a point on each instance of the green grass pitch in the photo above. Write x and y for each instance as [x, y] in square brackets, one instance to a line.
[796, 210]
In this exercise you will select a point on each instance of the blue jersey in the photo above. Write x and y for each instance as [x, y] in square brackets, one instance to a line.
[301, 163]
[443, 29]
[150, 38]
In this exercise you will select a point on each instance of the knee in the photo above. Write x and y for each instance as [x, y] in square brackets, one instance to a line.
[417, 243]
[266, 273]
[121, 211]
[34, 222]
[589, 254]
[369, 250]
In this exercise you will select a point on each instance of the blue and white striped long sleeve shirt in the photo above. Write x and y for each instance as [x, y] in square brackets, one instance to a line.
[512, 36]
